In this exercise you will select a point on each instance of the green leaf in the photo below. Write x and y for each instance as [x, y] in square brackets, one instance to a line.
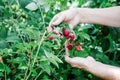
[4, 67]
[52, 58]
[48, 44]
[3, 32]
[34, 73]
[57, 59]
[103, 58]
[1, 67]
[22, 66]
[47, 7]
[53, 61]
[12, 38]
[32, 32]
[23, 3]
[32, 6]
[45, 65]
[58, 42]
[1, 74]
[8, 70]
[40, 2]
[81, 53]
[85, 27]
[17, 60]
[85, 35]
[3, 44]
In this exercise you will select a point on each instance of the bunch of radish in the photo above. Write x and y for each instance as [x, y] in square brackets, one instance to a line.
[69, 36]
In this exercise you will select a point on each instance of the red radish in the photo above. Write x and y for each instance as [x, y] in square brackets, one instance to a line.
[50, 37]
[72, 36]
[69, 47]
[67, 37]
[78, 48]
[66, 32]
[73, 43]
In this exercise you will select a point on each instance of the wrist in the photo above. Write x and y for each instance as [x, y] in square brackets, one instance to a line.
[86, 63]
[87, 15]
[89, 64]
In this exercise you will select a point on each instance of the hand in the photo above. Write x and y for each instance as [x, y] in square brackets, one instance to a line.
[70, 17]
[78, 62]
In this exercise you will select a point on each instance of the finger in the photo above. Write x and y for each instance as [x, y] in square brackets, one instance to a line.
[68, 59]
[71, 62]
[57, 19]
[60, 19]
[66, 42]
[53, 19]
[66, 49]
[49, 29]
[50, 26]
[76, 66]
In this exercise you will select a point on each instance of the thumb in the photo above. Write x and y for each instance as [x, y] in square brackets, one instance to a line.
[67, 59]
[56, 20]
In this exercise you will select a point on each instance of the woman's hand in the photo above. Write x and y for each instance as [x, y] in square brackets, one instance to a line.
[97, 68]
[77, 62]
[70, 17]
[86, 15]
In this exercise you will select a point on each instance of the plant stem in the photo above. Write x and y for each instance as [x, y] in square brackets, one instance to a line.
[40, 42]
[60, 51]
[17, 2]
[41, 12]
[27, 69]
[5, 71]
[5, 75]
[36, 53]
[39, 74]
[114, 58]
[39, 48]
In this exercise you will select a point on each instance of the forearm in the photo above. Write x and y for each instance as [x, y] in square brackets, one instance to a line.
[103, 71]
[105, 16]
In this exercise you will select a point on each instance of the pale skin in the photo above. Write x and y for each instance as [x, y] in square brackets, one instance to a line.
[105, 16]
